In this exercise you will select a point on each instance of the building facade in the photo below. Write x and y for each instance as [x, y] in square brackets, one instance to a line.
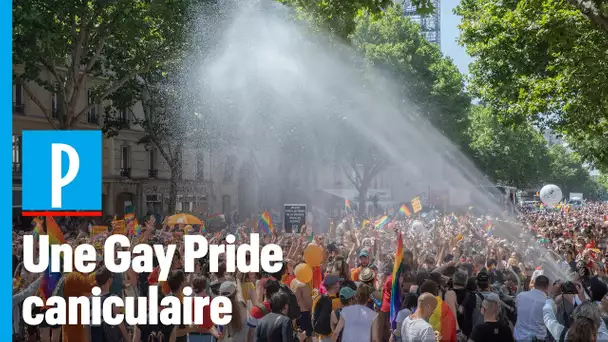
[429, 24]
[136, 174]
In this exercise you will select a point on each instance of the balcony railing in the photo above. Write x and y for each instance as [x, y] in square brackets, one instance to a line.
[16, 167]
[19, 108]
[125, 172]
[152, 173]
[124, 123]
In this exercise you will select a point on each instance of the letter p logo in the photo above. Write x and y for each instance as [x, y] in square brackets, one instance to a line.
[61, 172]
[58, 181]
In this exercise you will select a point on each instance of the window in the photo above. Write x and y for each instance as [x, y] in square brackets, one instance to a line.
[125, 161]
[152, 171]
[200, 165]
[229, 168]
[92, 115]
[18, 105]
[54, 109]
[123, 116]
[16, 153]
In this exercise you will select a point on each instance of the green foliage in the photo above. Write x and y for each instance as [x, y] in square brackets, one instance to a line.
[338, 16]
[509, 156]
[61, 43]
[566, 170]
[544, 62]
[426, 78]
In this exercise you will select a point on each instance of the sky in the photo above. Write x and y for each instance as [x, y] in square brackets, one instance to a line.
[449, 34]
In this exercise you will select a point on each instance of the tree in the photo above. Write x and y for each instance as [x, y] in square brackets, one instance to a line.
[512, 156]
[430, 81]
[111, 41]
[175, 118]
[566, 170]
[338, 16]
[543, 62]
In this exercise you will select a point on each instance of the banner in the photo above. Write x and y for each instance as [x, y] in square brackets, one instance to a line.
[96, 230]
[416, 205]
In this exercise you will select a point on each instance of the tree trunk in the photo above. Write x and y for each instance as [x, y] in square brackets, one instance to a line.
[65, 115]
[362, 199]
[176, 178]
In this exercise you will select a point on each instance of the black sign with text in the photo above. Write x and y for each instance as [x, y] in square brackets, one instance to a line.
[295, 217]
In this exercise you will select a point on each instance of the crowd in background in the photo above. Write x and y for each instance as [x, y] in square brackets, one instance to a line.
[540, 276]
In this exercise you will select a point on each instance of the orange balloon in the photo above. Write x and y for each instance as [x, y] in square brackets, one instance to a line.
[313, 255]
[303, 273]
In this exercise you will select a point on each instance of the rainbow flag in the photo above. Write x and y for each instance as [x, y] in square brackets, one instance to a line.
[38, 230]
[443, 321]
[405, 210]
[55, 234]
[489, 227]
[347, 206]
[203, 227]
[395, 290]
[265, 223]
[50, 279]
[382, 222]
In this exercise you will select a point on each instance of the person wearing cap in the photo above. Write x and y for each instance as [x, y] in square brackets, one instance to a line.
[347, 295]
[363, 263]
[236, 330]
[357, 320]
[323, 305]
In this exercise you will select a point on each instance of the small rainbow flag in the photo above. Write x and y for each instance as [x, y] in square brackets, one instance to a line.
[347, 206]
[489, 227]
[395, 290]
[265, 223]
[382, 222]
[405, 210]
[38, 230]
[203, 227]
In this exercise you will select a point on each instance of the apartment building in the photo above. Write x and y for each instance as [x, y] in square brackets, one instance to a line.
[136, 174]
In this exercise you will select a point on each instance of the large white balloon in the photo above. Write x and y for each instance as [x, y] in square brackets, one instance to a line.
[418, 227]
[550, 194]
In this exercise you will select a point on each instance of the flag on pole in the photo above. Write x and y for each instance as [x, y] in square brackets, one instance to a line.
[347, 206]
[405, 210]
[395, 290]
[265, 223]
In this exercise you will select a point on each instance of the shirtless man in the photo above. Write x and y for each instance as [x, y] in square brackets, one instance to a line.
[304, 296]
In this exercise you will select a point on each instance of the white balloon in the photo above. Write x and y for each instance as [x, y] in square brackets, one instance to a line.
[550, 194]
[417, 227]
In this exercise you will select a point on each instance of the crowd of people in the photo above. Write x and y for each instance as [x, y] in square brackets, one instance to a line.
[463, 277]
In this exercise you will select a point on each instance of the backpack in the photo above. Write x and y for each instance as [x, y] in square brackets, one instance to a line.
[111, 333]
[321, 322]
[293, 311]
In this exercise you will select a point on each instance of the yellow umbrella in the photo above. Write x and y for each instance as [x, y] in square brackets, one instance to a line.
[183, 219]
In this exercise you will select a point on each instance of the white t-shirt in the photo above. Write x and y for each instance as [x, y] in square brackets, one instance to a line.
[417, 330]
[358, 320]
[402, 315]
